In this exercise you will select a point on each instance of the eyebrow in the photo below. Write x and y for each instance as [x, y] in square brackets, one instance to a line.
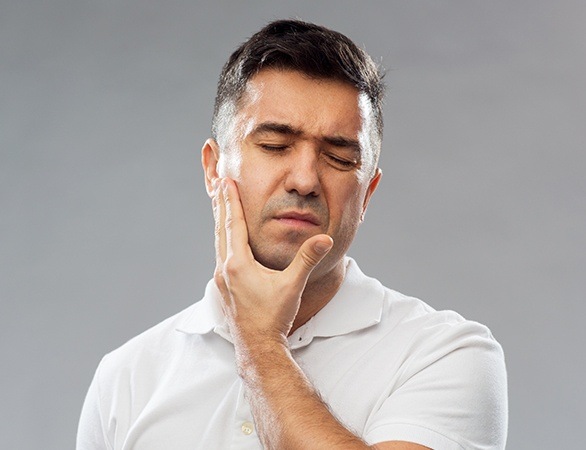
[276, 127]
[339, 141]
[285, 129]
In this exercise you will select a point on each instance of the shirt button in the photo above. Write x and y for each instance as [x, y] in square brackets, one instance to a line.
[247, 428]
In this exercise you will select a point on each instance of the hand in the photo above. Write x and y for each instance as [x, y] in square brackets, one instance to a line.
[257, 301]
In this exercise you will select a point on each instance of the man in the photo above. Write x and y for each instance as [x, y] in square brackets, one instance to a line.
[292, 346]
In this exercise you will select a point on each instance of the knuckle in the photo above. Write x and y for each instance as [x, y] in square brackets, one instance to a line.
[218, 276]
[308, 259]
[232, 266]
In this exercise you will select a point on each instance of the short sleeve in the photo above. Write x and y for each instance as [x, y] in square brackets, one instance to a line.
[90, 432]
[453, 394]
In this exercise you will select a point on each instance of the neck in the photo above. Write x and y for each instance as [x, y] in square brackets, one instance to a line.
[319, 290]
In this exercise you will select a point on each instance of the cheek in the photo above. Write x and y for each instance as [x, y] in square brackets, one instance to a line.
[348, 206]
[230, 165]
[253, 190]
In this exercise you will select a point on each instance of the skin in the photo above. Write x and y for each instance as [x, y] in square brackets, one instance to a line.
[289, 191]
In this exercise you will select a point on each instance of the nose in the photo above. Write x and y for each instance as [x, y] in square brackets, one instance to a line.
[302, 174]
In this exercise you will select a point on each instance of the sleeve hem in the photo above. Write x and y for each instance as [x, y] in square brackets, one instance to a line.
[411, 433]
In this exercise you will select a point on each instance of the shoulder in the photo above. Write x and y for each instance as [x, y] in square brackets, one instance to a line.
[427, 335]
[419, 320]
[412, 315]
[146, 349]
[446, 364]
[406, 321]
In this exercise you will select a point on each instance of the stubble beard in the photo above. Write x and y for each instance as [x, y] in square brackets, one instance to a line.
[278, 253]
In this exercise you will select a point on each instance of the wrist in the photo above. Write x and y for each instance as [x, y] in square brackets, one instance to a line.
[258, 339]
[260, 353]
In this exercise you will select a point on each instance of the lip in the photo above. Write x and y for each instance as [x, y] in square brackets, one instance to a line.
[298, 217]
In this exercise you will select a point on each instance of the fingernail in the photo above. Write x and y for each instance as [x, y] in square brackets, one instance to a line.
[215, 184]
[322, 247]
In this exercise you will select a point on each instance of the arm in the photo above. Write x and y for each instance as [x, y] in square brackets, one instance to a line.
[260, 306]
[90, 432]
[288, 411]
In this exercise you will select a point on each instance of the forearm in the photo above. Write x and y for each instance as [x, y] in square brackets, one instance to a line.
[288, 411]
[260, 305]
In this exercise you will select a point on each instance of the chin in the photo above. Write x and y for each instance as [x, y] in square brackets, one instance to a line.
[274, 261]
[274, 258]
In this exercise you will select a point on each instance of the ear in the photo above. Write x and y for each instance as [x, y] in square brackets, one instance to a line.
[210, 155]
[371, 188]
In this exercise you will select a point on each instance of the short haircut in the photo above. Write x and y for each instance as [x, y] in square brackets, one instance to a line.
[311, 49]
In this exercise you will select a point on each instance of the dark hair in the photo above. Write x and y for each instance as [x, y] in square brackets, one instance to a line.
[311, 49]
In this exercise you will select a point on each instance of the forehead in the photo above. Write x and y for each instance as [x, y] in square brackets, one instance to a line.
[317, 107]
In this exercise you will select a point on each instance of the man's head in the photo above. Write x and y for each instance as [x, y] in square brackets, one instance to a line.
[310, 49]
[297, 126]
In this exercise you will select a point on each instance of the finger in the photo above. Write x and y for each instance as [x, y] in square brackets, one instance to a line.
[309, 255]
[235, 222]
[219, 223]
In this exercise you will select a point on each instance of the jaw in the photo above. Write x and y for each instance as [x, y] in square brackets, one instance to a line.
[276, 254]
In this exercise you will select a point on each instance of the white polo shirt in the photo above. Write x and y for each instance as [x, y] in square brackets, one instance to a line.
[389, 366]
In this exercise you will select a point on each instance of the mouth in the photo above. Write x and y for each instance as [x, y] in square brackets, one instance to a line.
[299, 219]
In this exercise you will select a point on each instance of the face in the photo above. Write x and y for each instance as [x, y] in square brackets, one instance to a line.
[299, 151]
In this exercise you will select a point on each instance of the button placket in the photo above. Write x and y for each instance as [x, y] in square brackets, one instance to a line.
[302, 336]
[245, 434]
[247, 428]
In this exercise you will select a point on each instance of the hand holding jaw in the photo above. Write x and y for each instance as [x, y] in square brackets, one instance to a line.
[258, 302]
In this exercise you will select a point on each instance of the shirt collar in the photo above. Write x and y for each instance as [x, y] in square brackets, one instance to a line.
[206, 315]
[357, 305]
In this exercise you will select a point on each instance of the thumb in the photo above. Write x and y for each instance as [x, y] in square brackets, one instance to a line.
[309, 255]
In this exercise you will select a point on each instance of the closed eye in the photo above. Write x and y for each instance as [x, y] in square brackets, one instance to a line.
[341, 162]
[274, 147]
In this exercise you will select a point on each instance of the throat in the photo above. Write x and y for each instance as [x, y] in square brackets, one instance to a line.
[317, 294]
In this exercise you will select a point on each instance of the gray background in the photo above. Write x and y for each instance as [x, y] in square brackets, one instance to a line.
[105, 227]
